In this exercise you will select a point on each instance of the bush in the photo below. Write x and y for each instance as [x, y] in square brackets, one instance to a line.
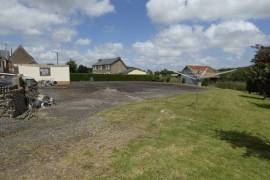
[240, 75]
[205, 82]
[110, 77]
[240, 86]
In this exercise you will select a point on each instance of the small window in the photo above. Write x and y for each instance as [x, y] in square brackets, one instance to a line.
[45, 71]
[108, 67]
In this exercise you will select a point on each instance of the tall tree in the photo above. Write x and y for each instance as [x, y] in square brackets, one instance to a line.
[72, 66]
[83, 69]
[259, 76]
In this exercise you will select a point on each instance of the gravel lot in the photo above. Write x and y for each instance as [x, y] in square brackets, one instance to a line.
[51, 132]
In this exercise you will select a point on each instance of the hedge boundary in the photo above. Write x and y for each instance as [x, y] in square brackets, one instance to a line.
[109, 77]
[234, 85]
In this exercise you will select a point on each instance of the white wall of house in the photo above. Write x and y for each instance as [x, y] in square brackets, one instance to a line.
[137, 72]
[59, 73]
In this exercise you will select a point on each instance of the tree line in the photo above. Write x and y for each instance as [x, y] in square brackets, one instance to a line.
[256, 76]
[259, 74]
[75, 68]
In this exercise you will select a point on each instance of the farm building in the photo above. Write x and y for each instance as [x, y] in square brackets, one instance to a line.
[41, 72]
[198, 71]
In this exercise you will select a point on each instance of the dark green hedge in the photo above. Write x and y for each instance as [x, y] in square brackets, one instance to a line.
[235, 85]
[109, 77]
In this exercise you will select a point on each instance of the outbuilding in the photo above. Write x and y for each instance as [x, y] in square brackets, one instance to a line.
[134, 71]
[43, 72]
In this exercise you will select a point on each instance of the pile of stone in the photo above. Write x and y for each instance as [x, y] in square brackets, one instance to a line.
[19, 96]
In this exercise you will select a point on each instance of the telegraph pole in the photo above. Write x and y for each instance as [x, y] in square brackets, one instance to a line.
[57, 57]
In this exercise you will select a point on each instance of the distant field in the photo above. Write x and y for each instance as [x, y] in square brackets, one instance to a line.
[226, 137]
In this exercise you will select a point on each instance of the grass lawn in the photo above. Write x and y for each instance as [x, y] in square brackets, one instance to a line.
[226, 137]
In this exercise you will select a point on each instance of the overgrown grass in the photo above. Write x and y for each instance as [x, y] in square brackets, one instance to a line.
[225, 137]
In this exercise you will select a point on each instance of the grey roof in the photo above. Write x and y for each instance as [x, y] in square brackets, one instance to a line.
[4, 54]
[106, 61]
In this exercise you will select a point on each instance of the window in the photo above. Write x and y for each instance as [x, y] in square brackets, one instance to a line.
[99, 67]
[108, 67]
[45, 71]
[94, 68]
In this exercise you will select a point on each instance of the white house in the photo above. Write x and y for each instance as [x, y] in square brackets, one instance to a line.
[40, 72]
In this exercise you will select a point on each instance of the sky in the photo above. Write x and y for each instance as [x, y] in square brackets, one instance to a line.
[148, 34]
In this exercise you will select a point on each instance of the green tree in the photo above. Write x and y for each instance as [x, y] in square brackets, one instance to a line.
[259, 75]
[83, 69]
[72, 66]
[149, 72]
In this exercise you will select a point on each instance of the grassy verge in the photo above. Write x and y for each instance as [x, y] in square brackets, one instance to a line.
[226, 137]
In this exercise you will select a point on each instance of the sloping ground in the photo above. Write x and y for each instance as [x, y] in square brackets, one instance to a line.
[225, 137]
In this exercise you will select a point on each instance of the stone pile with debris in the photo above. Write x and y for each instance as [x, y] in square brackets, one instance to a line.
[19, 95]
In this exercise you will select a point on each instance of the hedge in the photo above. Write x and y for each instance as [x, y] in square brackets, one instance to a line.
[109, 77]
[235, 85]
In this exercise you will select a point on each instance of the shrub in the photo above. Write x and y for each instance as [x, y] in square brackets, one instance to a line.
[240, 86]
[205, 82]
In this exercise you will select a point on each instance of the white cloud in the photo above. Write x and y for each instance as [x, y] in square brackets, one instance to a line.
[93, 8]
[178, 43]
[96, 7]
[31, 17]
[235, 36]
[108, 50]
[172, 41]
[63, 35]
[17, 18]
[83, 42]
[175, 11]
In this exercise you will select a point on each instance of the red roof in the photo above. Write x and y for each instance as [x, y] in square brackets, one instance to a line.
[201, 69]
[197, 68]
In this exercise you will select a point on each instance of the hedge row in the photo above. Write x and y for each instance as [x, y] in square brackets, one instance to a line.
[109, 77]
[235, 85]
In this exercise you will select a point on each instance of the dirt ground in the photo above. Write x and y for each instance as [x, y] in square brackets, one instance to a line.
[34, 149]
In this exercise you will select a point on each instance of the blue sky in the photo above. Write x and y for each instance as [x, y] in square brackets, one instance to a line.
[150, 34]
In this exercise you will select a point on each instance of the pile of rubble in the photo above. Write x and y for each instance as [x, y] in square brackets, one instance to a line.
[19, 96]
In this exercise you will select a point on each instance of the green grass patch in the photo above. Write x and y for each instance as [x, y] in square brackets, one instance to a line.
[225, 137]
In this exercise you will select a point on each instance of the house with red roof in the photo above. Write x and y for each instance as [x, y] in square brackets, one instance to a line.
[198, 72]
